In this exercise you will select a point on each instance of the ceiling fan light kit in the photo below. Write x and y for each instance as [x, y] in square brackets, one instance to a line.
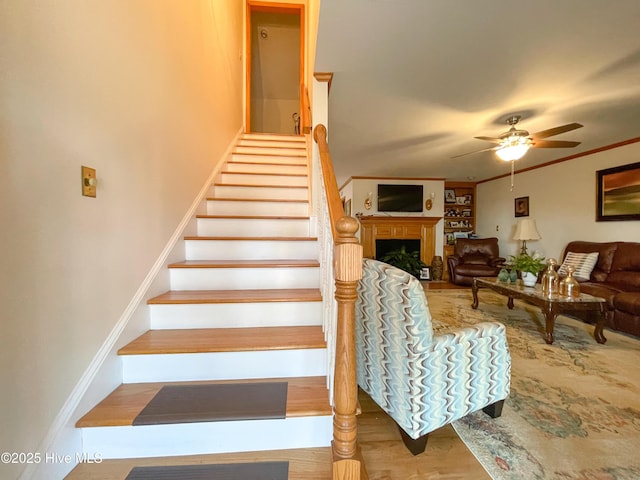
[512, 152]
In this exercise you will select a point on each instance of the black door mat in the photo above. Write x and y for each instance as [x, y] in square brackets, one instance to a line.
[227, 471]
[216, 402]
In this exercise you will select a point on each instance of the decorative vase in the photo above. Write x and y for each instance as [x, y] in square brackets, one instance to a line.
[550, 279]
[436, 268]
[569, 286]
[529, 279]
[503, 276]
[513, 276]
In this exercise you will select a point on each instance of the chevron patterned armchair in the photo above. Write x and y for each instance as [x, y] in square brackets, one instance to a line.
[424, 381]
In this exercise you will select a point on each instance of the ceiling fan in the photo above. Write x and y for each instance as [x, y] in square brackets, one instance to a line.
[514, 143]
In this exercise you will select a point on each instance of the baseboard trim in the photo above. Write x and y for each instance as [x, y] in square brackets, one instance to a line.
[63, 438]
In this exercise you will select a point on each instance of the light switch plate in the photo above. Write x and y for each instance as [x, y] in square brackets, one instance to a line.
[88, 181]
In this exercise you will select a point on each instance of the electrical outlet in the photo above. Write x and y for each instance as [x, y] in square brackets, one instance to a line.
[89, 181]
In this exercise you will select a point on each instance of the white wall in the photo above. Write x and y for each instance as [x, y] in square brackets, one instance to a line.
[562, 200]
[150, 94]
[358, 189]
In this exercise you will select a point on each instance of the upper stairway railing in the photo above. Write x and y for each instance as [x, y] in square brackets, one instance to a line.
[305, 120]
[341, 262]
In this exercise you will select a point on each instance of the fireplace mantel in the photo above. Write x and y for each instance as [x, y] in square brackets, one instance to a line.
[384, 228]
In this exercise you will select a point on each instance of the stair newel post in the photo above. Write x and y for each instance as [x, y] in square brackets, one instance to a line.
[347, 271]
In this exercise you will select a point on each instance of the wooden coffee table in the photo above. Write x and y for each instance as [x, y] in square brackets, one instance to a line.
[551, 306]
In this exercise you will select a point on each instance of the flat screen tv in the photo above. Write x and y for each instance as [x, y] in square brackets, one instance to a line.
[399, 198]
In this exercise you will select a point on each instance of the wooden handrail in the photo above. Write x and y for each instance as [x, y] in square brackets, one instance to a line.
[305, 126]
[347, 261]
[336, 210]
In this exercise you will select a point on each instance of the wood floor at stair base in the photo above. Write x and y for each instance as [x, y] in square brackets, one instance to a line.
[235, 315]
[208, 437]
[224, 365]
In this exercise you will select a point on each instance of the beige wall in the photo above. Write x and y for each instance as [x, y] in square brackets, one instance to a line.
[148, 92]
[562, 199]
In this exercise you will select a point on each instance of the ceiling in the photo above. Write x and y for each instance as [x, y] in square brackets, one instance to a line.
[415, 80]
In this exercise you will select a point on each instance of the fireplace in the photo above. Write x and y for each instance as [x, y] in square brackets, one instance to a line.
[403, 229]
[384, 246]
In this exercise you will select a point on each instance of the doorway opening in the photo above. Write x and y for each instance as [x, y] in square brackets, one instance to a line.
[275, 67]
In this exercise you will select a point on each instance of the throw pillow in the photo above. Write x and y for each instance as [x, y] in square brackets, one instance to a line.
[584, 264]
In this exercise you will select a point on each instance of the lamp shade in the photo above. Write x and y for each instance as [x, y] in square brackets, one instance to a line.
[526, 230]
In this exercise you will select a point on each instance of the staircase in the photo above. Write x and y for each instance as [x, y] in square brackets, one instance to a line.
[244, 306]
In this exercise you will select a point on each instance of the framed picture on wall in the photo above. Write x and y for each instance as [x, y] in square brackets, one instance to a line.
[450, 196]
[521, 207]
[618, 193]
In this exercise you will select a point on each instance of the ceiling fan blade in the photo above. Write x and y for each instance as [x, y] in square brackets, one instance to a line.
[489, 139]
[555, 131]
[554, 144]
[476, 151]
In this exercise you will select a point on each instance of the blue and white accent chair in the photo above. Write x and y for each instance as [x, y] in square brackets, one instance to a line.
[424, 381]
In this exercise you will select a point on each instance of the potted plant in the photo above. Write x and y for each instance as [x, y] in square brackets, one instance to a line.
[407, 261]
[529, 266]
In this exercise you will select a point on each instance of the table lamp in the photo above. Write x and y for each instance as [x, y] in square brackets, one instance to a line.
[526, 230]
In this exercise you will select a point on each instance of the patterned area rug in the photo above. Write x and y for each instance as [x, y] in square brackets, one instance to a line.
[574, 407]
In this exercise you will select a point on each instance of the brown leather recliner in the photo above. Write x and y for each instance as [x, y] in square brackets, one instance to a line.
[474, 257]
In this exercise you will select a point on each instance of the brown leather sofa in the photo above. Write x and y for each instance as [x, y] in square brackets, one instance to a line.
[616, 278]
[474, 257]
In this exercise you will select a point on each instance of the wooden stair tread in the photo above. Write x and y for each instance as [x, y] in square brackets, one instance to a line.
[271, 174]
[229, 184]
[237, 296]
[257, 200]
[293, 146]
[304, 463]
[244, 264]
[209, 340]
[252, 239]
[303, 153]
[306, 396]
[278, 164]
[254, 217]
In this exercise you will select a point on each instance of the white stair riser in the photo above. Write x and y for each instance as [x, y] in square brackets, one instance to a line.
[260, 179]
[270, 150]
[250, 249]
[273, 136]
[235, 315]
[236, 227]
[243, 278]
[265, 168]
[254, 142]
[260, 207]
[207, 437]
[268, 193]
[257, 158]
[177, 367]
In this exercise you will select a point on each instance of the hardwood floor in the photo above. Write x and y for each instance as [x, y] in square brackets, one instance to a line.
[386, 457]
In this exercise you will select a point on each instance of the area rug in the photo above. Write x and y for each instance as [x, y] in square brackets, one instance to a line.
[228, 471]
[574, 407]
[215, 402]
